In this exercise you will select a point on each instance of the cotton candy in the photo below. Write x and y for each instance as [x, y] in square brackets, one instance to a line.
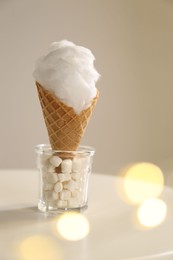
[68, 71]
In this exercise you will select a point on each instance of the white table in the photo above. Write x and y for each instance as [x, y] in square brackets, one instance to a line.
[113, 234]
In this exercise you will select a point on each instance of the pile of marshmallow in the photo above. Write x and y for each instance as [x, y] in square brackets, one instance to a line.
[64, 181]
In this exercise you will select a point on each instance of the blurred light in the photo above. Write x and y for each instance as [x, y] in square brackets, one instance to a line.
[152, 212]
[38, 247]
[142, 181]
[72, 226]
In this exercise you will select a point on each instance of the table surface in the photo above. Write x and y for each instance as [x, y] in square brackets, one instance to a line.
[114, 230]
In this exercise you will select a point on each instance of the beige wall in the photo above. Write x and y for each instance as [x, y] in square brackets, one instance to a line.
[133, 44]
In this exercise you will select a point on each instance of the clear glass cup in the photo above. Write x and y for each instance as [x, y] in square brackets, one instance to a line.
[64, 177]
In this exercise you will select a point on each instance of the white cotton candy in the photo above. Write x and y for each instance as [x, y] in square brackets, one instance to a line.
[67, 70]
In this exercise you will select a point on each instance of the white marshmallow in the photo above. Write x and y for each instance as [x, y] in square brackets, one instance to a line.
[71, 185]
[64, 177]
[76, 194]
[77, 164]
[65, 194]
[76, 176]
[58, 187]
[53, 203]
[47, 185]
[51, 195]
[62, 203]
[52, 177]
[48, 168]
[73, 202]
[55, 161]
[66, 166]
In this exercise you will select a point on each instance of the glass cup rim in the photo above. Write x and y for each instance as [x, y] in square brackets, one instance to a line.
[82, 150]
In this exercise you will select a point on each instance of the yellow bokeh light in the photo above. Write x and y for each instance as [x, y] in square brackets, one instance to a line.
[72, 226]
[152, 212]
[38, 247]
[142, 181]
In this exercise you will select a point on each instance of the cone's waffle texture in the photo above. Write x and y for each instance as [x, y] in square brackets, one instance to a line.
[65, 128]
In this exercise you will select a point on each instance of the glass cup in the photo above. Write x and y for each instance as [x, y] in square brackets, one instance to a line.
[64, 177]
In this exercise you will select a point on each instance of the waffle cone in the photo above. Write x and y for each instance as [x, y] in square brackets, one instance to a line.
[65, 128]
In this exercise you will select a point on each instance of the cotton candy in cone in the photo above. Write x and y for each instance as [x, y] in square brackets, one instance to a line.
[65, 127]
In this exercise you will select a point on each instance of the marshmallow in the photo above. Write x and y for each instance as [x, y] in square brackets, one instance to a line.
[52, 177]
[47, 185]
[76, 194]
[66, 166]
[62, 203]
[53, 203]
[77, 164]
[71, 185]
[64, 177]
[51, 195]
[48, 168]
[55, 161]
[76, 176]
[73, 202]
[58, 187]
[65, 194]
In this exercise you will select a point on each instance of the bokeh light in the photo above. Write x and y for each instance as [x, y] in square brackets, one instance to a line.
[142, 181]
[38, 247]
[72, 226]
[152, 212]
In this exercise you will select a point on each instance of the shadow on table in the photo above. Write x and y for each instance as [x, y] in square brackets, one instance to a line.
[21, 216]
